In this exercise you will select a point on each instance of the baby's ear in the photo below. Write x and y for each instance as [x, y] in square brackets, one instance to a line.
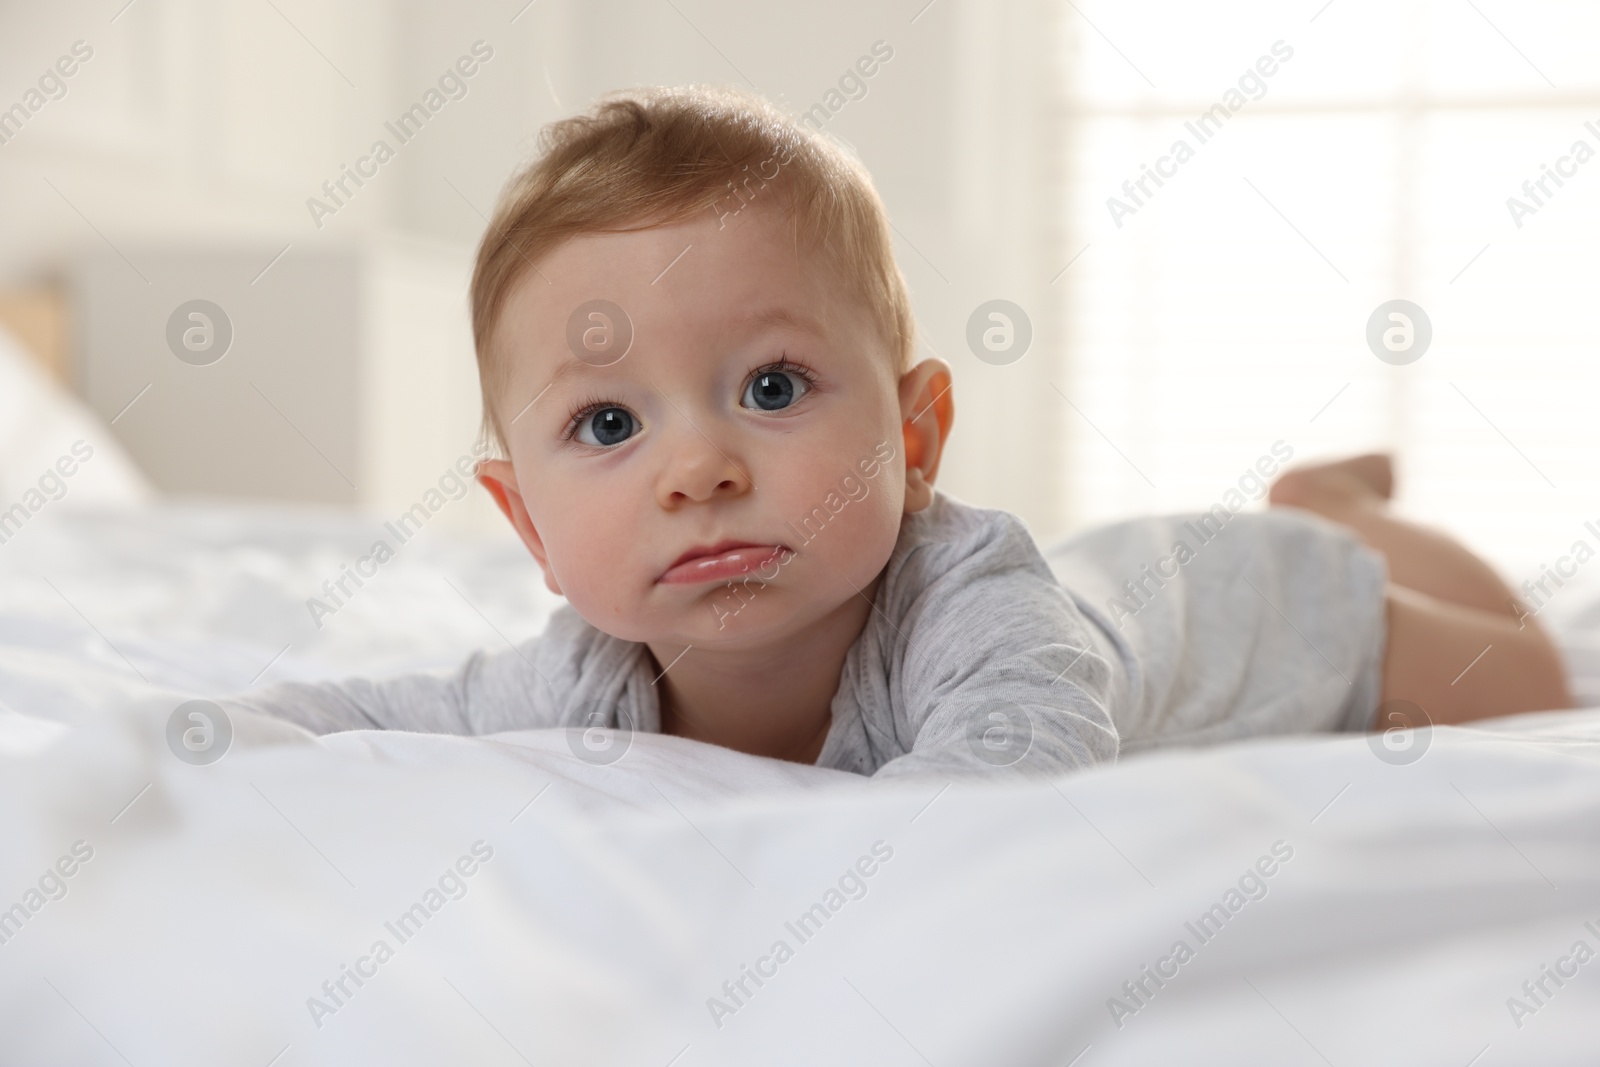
[500, 478]
[927, 410]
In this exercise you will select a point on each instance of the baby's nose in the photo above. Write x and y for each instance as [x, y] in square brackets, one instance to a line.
[701, 470]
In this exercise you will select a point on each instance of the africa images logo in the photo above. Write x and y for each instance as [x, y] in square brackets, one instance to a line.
[199, 732]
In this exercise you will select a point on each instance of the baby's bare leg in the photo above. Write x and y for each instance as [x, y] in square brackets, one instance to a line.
[1356, 492]
[1459, 663]
[1460, 645]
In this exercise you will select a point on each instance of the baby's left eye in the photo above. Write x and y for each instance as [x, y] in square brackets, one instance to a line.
[773, 390]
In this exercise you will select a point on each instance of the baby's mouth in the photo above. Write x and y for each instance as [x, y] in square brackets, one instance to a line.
[719, 562]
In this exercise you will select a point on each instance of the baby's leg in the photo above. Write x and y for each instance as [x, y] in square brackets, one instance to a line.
[1356, 492]
[1460, 663]
[1460, 645]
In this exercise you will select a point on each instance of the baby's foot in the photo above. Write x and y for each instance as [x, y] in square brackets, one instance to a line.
[1330, 488]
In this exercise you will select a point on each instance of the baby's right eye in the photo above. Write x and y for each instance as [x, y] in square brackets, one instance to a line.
[606, 427]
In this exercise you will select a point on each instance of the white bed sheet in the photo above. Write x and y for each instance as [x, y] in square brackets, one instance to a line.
[619, 899]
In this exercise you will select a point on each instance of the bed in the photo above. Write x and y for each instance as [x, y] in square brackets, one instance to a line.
[396, 899]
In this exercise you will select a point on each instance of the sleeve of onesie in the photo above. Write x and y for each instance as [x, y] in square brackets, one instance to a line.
[997, 672]
[508, 689]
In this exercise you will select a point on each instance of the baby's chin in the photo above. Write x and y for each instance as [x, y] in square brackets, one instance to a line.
[719, 621]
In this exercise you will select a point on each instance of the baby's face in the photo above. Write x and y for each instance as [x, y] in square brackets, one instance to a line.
[751, 433]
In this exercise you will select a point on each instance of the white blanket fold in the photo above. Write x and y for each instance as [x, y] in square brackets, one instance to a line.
[400, 898]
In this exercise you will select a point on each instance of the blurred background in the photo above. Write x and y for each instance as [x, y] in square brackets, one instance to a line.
[167, 159]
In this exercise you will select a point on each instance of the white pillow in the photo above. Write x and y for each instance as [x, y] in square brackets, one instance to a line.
[54, 451]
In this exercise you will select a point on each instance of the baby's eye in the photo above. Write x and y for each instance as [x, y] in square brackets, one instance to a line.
[773, 390]
[607, 427]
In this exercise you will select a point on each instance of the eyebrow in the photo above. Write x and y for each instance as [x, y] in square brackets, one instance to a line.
[782, 316]
[568, 368]
[766, 318]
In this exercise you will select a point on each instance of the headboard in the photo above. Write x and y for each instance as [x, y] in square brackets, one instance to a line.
[37, 317]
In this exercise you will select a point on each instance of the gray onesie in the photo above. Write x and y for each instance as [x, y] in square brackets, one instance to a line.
[977, 658]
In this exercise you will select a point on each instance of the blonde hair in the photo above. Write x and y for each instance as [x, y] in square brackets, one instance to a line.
[652, 157]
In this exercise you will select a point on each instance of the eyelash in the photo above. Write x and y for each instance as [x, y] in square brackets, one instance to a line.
[590, 405]
[784, 365]
[593, 404]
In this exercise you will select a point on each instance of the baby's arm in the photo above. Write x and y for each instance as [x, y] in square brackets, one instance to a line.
[508, 689]
[483, 695]
[998, 671]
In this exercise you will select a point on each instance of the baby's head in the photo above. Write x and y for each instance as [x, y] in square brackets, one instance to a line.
[695, 350]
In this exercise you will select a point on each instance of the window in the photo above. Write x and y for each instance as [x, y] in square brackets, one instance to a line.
[1227, 310]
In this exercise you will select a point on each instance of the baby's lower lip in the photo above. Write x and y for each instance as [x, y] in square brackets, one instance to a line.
[734, 563]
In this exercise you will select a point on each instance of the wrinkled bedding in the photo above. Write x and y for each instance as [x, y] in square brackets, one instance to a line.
[1338, 901]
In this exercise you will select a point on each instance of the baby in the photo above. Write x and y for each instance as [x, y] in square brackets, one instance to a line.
[696, 358]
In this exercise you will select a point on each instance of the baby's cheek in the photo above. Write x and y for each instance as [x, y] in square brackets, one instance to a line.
[867, 530]
[615, 562]
[589, 567]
